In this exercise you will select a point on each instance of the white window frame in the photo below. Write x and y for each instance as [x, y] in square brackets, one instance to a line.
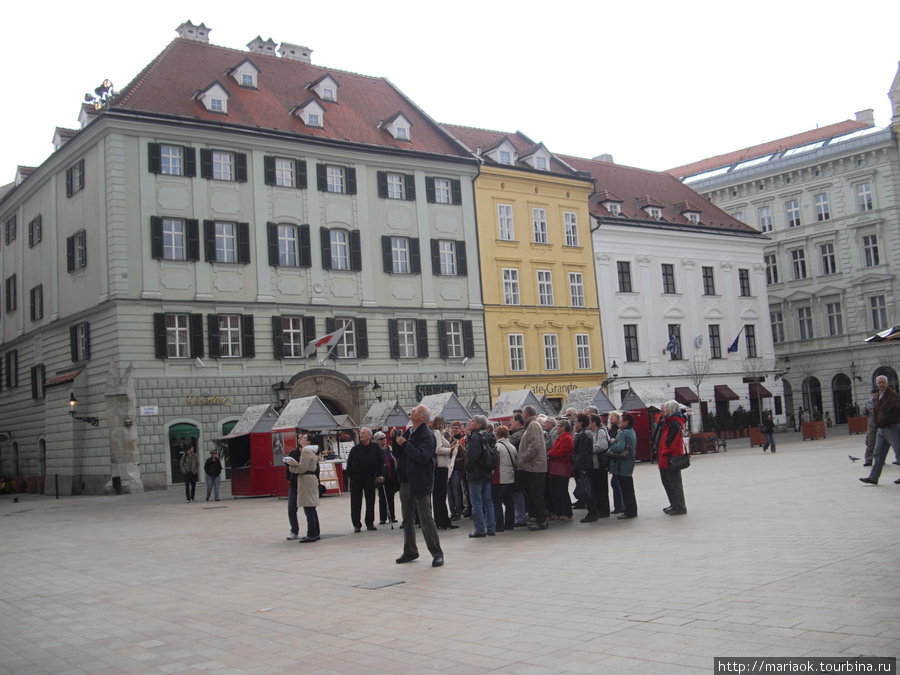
[539, 225]
[872, 257]
[285, 172]
[346, 346]
[292, 340]
[178, 345]
[229, 336]
[823, 212]
[406, 338]
[792, 212]
[776, 318]
[226, 242]
[395, 186]
[829, 260]
[878, 312]
[81, 338]
[340, 249]
[771, 261]
[570, 220]
[335, 179]
[864, 197]
[835, 318]
[442, 191]
[217, 104]
[313, 119]
[551, 351]
[288, 246]
[545, 288]
[505, 225]
[798, 264]
[576, 289]
[447, 252]
[171, 160]
[805, 322]
[765, 218]
[222, 165]
[505, 157]
[583, 350]
[540, 163]
[174, 239]
[400, 259]
[511, 295]
[516, 345]
[80, 249]
[454, 332]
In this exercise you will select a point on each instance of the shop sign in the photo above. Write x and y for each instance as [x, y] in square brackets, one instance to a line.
[423, 390]
[549, 388]
[147, 410]
[212, 399]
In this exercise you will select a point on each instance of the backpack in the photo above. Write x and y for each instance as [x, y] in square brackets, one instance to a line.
[490, 457]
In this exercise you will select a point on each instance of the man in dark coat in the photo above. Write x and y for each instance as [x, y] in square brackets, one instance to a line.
[365, 467]
[417, 462]
[887, 419]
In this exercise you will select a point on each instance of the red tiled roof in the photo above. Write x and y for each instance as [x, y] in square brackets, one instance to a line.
[167, 86]
[684, 207]
[662, 188]
[486, 140]
[62, 378]
[608, 196]
[755, 151]
[646, 200]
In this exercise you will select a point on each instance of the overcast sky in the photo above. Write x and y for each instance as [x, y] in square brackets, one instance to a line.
[654, 84]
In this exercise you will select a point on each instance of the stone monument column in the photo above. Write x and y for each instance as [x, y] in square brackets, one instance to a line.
[124, 452]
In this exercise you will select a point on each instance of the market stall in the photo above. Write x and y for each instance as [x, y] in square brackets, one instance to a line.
[509, 401]
[582, 399]
[385, 415]
[645, 416]
[446, 405]
[310, 414]
[254, 453]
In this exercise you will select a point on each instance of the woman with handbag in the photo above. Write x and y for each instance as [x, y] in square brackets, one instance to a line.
[621, 464]
[561, 470]
[671, 447]
[503, 484]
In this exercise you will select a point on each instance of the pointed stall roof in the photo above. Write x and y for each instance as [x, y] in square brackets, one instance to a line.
[513, 400]
[474, 408]
[346, 422]
[306, 413]
[256, 419]
[385, 414]
[582, 399]
[548, 407]
[646, 396]
[447, 406]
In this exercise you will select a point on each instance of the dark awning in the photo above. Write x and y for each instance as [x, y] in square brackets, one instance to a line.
[758, 391]
[686, 396]
[724, 393]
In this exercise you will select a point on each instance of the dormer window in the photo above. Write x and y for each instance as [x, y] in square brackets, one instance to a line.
[537, 157]
[613, 208]
[328, 93]
[654, 212]
[503, 152]
[505, 157]
[312, 113]
[325, 87]
[397, 126]
[245, 74]
[693, 217]
[214, 98]
[247, 80]
[540, 163]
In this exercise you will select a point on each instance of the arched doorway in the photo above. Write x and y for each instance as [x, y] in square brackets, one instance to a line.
[181, 437]
[842, 397]
[789, 411]
[337, 392]
[889, 373]
[812, 397]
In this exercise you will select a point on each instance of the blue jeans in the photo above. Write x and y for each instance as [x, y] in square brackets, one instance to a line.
[770, 441]
[454, 493]
[292, 509]
[519, 501]
[887, 437]
[482, 506]
[212, 482]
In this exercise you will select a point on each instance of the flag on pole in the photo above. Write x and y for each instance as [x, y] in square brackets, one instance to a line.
[325, 341]
[672, 346]
[734, 345]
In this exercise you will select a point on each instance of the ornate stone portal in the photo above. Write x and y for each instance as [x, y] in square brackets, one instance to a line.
[349, 397]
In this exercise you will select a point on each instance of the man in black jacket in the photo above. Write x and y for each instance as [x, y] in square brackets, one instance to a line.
[365, 468]
[417, 461]
[212, 468]
[479, 477]
[887, 419]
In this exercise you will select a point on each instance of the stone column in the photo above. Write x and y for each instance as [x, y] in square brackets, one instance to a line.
[124, 452]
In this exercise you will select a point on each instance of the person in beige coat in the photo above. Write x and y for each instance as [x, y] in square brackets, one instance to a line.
[308, 486]
[533, 467]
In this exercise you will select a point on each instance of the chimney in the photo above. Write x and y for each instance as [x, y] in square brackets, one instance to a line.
[259, 46]
[867, 117]
[605, 157]
[189, 31]
[295, 52]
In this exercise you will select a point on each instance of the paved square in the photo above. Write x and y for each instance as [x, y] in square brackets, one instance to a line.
[779, 555]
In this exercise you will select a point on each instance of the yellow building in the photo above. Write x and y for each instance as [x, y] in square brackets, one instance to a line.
[542, 319]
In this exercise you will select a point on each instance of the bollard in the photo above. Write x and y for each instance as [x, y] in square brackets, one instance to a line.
[56, 480]
[117, 484]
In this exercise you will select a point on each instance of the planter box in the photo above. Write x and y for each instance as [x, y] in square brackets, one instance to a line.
[858, 425]
[756, 437]
[703, 442]
[813, 430]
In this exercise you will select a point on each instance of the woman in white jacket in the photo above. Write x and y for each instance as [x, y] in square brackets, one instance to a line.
[504, 481]
[441, 475]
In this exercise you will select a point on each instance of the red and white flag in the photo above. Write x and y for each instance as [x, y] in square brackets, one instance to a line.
[325, 341]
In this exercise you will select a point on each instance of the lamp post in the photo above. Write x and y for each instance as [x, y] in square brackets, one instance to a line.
[376, 389]
[281, 390]
[855, 377]
[787, 368]
[613, 374]
[73, 402]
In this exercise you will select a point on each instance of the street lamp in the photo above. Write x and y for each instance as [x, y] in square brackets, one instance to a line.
[787, 368]
[93, 421]
[614, 374]
[376, 389]
[281, 390]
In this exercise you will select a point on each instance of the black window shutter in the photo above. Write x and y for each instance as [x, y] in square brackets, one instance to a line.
[206, 170]
[243, 242]
[325, 235]
[154, 162]
[80, 175]
[272, 234]
[355, 251]
[34, 378]
[269, 170]
[32, 303]
[429, 190]
[394, 338]
[422, 338]
[321, 178]
[301, 173]
[351, 180]
[159, 334]
[190, 162]
[248, 337]
[31, 233]
[193, 238]
[212, 322]
[156, 237]
[278, 337]
[415, 256]
[382, 184]
[209, 239]
[73, 343]
[468, 339]
[309, 329]
[409, 184]
[456, 191]
[87, 340]
[70, 254]
[69, 189]
[304, 247]
[387, 256]
[362, 338]
[435, 256]
[462, 265]
[330, 325]
[84, 243]
[196, 335]
[240, 165]
[442, 338]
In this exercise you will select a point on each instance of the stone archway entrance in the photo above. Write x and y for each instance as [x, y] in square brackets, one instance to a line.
[335, 389]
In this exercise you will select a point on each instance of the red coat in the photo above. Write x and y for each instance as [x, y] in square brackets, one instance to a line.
[563, 449]
[671, 442]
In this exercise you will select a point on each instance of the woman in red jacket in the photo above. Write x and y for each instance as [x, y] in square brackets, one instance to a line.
[560, 457]
[671, 444]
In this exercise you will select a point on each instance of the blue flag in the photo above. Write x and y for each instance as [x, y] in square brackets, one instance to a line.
[734, 345]
[672, 346]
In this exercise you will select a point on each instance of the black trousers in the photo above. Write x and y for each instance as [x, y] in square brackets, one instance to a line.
[312, 521]
[357, 487]
[439, 497]
[559, 492]
[535, 483]
[386, 502]
[598, 505]
[504, 506]
[190, 485]
[671, 480]
[626, 483]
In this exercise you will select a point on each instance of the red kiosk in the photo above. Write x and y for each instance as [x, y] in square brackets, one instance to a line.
[645, 418]
[251, 450]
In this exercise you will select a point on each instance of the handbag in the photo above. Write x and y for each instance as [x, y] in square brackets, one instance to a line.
[582, 488]
[680, 462]
[564, 469]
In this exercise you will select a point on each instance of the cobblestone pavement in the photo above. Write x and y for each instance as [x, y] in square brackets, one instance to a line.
[779, 555]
